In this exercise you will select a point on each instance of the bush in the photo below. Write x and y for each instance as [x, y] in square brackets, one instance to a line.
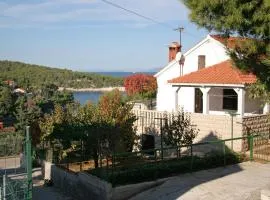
[151, 171]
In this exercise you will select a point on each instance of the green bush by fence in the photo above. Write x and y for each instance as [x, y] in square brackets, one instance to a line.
[10, 144]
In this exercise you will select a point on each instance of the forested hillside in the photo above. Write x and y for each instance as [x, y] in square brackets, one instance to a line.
[27, 75]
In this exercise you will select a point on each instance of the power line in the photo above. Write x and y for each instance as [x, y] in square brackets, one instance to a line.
[137, 14]
[167, 25]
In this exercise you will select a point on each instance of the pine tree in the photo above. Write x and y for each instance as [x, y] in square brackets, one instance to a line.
[248, 19]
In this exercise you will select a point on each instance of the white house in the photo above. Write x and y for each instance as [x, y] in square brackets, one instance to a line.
[207, 82]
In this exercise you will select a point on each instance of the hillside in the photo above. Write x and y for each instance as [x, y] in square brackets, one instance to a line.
[28, 75]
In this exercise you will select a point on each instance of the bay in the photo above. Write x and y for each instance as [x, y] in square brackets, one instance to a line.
[84, 97]
[123, 74]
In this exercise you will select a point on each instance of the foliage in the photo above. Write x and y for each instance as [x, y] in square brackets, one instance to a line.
[35, 76]
[179, 130]
[141, 84]
[6, 100]
[10, 144]
[249, 19]
[27, 113]
[21, 110]
[118, 113]
[141, 172]
[102, 128]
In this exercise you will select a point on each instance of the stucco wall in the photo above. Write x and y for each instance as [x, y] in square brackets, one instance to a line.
[81, 185]
[214, 52]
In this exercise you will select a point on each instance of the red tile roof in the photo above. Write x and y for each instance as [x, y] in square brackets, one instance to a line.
[230, 42]
[221, 73]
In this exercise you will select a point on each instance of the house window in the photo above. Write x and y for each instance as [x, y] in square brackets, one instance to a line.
[229, 99]
[201, 62]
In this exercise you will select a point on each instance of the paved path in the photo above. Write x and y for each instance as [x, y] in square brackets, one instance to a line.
[237, 182]
[41, 192]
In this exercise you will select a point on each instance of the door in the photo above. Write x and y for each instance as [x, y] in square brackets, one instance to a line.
[198, 101]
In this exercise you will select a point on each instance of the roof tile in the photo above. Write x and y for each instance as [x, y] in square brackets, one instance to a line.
[221, 73]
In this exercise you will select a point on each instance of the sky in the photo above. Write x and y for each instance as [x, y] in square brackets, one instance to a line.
[90, 35]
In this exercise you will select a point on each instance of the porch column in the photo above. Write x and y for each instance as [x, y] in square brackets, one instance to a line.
[240, 100]
[176, 106]
[266, 108]
[205, 91]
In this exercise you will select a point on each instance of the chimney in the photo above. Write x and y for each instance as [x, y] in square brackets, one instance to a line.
[174, 48]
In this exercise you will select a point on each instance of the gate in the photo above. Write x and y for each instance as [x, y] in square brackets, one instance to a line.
[15, 166]
[261, 147]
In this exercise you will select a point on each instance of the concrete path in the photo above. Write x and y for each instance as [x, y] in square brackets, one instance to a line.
[237, 182]
[41, 192]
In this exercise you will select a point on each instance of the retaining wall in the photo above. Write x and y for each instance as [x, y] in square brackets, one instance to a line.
[80, 185]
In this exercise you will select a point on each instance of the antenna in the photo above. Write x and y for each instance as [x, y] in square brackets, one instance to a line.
[180, 29]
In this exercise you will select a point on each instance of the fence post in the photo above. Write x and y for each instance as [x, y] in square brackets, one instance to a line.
[251, 138]
[4, 187]
[155, 155]
[113, 168]
[29, 164]
[224, 152]
[191, 154]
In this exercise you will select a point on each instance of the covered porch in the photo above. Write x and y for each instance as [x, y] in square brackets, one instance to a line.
[218, 99]
[218, 89]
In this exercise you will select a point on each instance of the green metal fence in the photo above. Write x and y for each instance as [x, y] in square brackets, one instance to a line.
[133, 167]
[15, 167]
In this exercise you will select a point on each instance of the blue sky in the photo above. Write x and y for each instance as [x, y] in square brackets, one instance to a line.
[89, 35]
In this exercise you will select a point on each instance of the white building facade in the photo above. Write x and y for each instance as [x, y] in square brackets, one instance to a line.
[197, 89]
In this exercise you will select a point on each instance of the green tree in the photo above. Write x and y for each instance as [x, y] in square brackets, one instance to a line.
[114, 110]
[102, 128]
[249, 19]
[6, 100]
[178, 130]
[27, 113]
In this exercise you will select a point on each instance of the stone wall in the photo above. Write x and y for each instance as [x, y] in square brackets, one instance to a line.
[260, 125]
[256, 124]
[211, 127]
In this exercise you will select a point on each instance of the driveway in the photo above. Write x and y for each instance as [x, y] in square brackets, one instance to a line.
[41, 192]
[239, 182]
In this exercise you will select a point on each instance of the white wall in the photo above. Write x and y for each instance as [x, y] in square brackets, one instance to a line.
[166, 93]
[214, 52]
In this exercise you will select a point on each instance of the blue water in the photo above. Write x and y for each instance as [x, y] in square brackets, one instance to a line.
[84, 97]
[123, 74]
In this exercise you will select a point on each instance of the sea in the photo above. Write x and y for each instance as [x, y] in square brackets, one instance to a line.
[93, 97]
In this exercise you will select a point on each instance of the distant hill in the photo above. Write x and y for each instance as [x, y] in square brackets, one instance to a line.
[28, 75]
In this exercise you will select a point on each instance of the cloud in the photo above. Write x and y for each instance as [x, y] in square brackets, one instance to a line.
[68, 12]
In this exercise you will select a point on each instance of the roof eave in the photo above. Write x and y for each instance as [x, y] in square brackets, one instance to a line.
[207, 85]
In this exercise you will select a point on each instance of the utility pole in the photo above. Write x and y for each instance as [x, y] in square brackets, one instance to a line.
[180, 29]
